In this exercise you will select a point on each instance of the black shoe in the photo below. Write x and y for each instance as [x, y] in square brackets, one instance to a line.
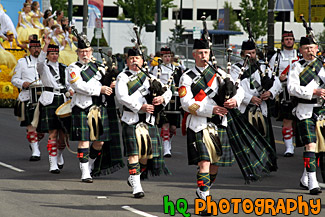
[138, 195]
[168, 155]
[57, 171]
[288, 154]
[60, 166]
[34, 158]
[88, 180]
[303, 186]
[315, 191]
[204, 213]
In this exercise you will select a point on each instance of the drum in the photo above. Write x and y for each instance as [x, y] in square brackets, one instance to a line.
[64, 114]
[174, 105]
[35, 92]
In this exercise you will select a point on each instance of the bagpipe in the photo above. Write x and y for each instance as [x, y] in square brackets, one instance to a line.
[310, 33]
[266, 81]
[156, 88]
[111, 69]
[276, 68]
[227, 89]
[110, 72]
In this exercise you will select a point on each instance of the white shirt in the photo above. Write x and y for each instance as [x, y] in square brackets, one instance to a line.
[25, 71]
[135, 101]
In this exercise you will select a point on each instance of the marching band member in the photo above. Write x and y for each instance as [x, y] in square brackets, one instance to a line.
[204, 112]
[169, 123]
[256, 96]
[282, 62]
[88, 106]
[305, 81]
[140, 134]
[54, 77]
[26, 75]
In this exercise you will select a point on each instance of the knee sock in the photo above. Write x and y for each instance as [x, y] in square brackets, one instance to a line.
[32, 137]
[93, 153]
[310, 161]
[143, 167]
[164, 134]
[203, 181]
[134, 169]
[52, 147]
[213, 178]
[83, 155]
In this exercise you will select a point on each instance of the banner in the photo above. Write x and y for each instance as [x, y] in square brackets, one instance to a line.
[95, 11]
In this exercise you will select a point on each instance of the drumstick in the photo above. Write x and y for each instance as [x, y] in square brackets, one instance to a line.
[34, 81]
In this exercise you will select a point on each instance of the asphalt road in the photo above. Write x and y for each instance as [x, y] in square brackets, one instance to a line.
[28, 189]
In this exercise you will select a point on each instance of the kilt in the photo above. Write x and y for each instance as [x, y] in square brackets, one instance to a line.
[156, 165]
[110, 159]
[269, 130]
[79, 126]
[199, 152]
[130, 141]
[172, 119]
[254, 155]
[286, 111]
[48, 119]
[306, 129]
[29, 114]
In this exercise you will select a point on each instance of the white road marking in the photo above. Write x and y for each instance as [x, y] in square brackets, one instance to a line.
[128, 208]
[11, 167]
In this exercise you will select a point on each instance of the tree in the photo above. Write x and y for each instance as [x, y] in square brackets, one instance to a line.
[142, 12]
[177, 33]
[256, 11]
[61, 5]
[232, 18]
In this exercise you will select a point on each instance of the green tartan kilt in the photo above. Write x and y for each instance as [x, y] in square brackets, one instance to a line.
[130, 141]
[48, 119]
[79, 125]
[306, 129]
[269, 130]
[199, 152]
[172, 119]
[254, 155]
[156, 165]
[110, 159]
[29, 114]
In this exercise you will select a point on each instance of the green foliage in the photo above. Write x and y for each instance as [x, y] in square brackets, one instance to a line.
[177, 34]
[256, 11]
[142, 12]
[62, 5]
[232, 18]
[321, 39]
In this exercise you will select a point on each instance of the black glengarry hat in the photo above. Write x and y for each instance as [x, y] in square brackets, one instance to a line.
[34, 42]
[287, 34]
[83, 41]
[53, 48]
[306, 41]
[165, 50]
[248, 45]
[133, 52]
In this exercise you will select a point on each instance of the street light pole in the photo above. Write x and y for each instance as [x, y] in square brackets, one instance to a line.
[158, 23]
[270, 24]
[85, 16]
[70, 10]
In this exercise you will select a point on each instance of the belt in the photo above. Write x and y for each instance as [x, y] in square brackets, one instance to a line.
[55, 90]
[306, 101]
